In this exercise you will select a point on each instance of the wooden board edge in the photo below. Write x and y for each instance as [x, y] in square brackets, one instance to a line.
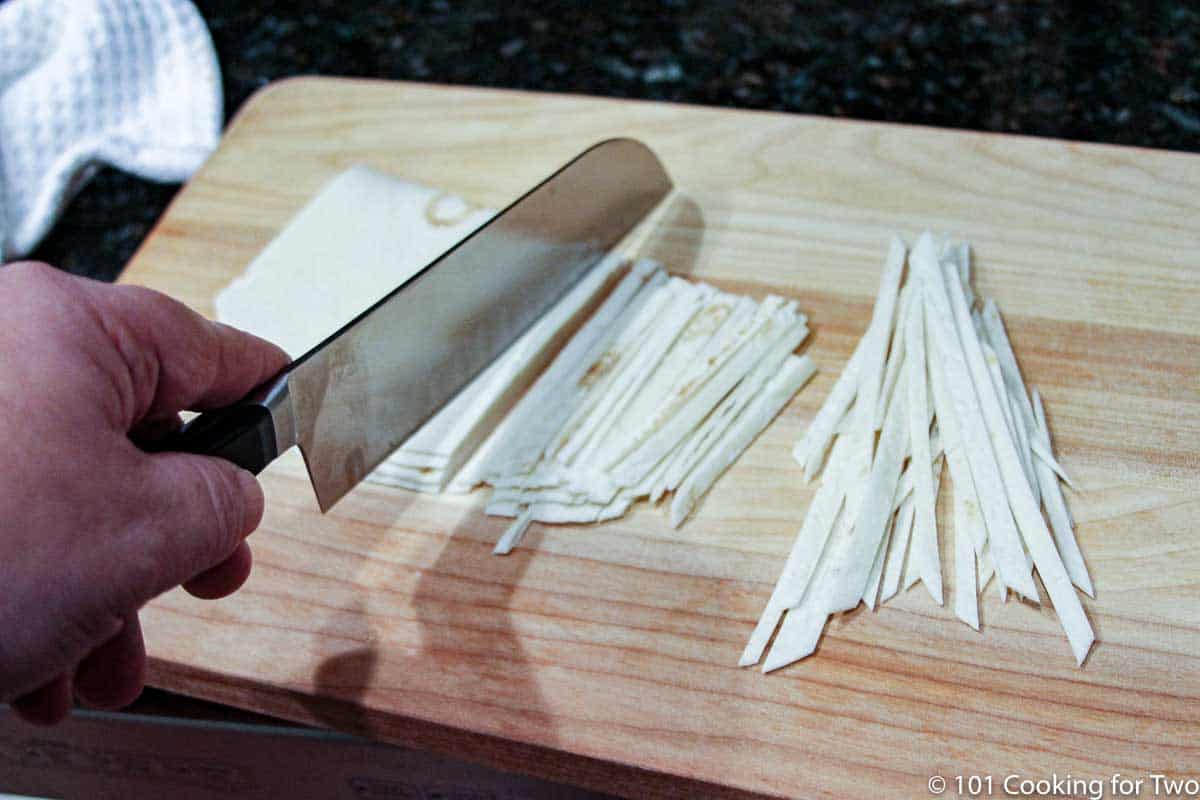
[283, 87]
[508, 755]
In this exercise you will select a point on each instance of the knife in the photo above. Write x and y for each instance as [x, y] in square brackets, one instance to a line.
[355, 397]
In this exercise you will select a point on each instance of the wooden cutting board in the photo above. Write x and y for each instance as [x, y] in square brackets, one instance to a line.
[605, 655]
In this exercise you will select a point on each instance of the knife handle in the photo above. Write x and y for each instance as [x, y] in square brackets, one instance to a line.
[250, 433]
[243, 434]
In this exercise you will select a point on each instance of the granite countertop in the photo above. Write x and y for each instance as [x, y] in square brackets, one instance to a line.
[1123, 73]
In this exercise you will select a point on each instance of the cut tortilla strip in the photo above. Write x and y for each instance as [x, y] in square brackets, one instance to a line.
[697, 403]
[811, 449]
[1056, 509]
[801, 628]
[1021, 444]
[997, 335]
[714, 426]
[1043, 454]
[645, 361]
[1007, 551]
[912, 566]
[904, 487]
[758, 414]
[893, 569]
[533, 424]
[959, 255]
[702, 379]
[767, 623]
[879, 333]
[989, 445]
[414, 459]
[805, 556]
[513, 534]
[871, 593]
[431, 486]
[636, 421]
[390, 473]
[561, 513]
[985, 569]
[803, 561]
[723, 352]
[876, 508]
[924, 537]
[473, 473]
[623, 358]
[817, 527]
[1024, 442]
[585, 362]
[1041, 434]
[896, 355]
[728, 353]
[956, 459]
[784, 333]
[798, 637]
[1033, 530]
[911, 576]
[562, 495]
[966, 595]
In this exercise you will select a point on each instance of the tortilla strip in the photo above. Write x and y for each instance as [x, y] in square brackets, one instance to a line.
[1034, 532]
[1002, 531]
[750, 423]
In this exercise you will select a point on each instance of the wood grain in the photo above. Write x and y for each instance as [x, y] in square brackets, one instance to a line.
[605, 655]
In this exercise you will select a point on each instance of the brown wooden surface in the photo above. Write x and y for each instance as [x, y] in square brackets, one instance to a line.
[605, 655]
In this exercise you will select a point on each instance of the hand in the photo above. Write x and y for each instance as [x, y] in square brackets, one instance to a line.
[92, 527]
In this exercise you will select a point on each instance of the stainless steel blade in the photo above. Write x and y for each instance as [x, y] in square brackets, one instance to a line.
[359, 394]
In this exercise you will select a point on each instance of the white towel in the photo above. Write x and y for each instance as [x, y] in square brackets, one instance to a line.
[131, 83]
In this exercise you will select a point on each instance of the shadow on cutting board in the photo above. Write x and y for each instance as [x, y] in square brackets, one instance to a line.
[674, 236]
[467, 637]
[461, 602]
[347, 676]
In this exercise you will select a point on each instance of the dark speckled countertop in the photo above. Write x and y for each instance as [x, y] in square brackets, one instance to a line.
[1124, 73]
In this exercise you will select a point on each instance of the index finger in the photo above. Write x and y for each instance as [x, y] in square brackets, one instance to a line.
[177, 359]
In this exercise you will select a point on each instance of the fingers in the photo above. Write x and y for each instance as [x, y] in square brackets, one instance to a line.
[195, 512]
[46, 705]
[225, 578]
[178, 359]
[111, 676]
[114, 674]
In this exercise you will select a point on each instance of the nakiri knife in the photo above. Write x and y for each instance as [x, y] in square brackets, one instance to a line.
[355, 397]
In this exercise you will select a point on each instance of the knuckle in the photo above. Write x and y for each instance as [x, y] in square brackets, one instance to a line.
[32, 270]
[148, 313]
[194, 518]
[224, 501]
[140, 297]
[144, 578]
[31, 276]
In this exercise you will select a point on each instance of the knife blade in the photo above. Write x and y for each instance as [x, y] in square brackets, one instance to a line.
[355, 397]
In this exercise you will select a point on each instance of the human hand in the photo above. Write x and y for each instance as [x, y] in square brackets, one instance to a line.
[92, 527]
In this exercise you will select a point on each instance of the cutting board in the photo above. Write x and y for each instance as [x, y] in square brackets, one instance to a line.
[605, 655]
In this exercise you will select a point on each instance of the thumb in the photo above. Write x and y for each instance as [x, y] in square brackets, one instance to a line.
[195, 512]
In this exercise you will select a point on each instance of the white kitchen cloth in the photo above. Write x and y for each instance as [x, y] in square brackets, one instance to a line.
[131, 83]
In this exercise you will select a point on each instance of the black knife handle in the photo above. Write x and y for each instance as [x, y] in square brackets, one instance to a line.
[242, 433]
